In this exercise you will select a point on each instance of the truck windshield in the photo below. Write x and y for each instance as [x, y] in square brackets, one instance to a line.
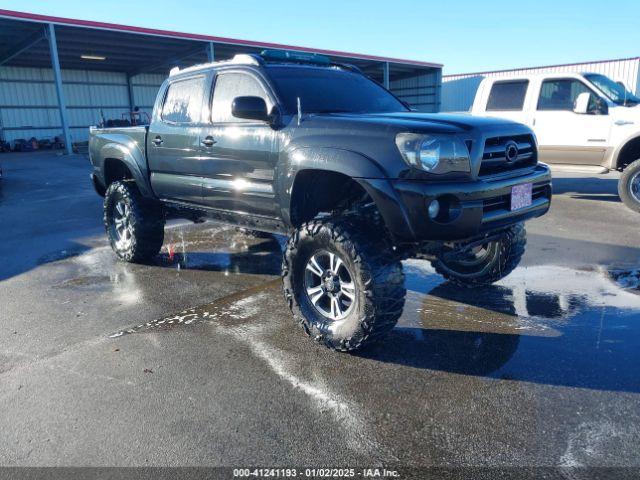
[330, 90]
[614, 91]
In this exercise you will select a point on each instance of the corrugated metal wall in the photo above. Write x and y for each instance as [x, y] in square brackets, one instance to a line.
[421, 91]
[458, 91]
[28, 102]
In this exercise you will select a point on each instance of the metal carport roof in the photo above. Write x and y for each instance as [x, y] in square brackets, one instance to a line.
[136, 49]
[26, 41]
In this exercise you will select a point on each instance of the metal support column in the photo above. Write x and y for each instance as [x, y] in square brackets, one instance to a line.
[211, 54]
[385, 75]
[438, 90]
[57, 75]
[132, 100]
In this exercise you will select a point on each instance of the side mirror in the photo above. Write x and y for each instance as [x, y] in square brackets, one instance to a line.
[251, 108]
[586, 102]
[581, 105]
[601, 107]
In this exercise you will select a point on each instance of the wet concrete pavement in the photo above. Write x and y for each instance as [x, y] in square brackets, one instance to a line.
[194, 359]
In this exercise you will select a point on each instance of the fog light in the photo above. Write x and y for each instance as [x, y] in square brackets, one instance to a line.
[434, 209]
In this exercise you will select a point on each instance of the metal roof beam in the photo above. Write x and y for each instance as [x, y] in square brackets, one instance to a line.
[169, 61]
[23, 46]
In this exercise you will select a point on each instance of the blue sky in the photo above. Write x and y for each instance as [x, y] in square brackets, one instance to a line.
[465, 35]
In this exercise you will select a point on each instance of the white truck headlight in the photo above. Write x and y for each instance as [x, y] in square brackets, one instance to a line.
[434, 153]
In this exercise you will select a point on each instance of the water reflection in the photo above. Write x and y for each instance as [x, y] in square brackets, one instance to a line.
[222, 250]
[547, 325]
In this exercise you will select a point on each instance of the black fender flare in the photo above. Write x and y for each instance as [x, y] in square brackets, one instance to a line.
[132, 159]
[362, 169]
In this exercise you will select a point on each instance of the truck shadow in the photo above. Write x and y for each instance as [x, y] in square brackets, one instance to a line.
[500, 333]
[604, 189]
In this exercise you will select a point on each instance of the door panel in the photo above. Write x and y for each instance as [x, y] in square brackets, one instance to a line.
[572, 155]
[173, 145]
[176, 156]
[564, 136]
[240, 157]
[240, 168]
[179, 187]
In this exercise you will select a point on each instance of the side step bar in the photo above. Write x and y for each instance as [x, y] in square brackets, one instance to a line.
[594, 169]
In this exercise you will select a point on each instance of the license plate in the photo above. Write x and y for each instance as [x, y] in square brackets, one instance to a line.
[521, 196]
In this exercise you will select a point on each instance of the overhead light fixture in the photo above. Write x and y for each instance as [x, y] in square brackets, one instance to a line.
[93, 57]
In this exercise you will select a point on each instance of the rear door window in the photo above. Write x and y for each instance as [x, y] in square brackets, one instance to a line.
[183, 101]
[507, 95]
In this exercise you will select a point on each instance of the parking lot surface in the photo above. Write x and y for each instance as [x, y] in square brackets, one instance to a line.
[194, 359]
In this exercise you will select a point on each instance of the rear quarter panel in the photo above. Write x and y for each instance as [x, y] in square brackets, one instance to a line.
[126, 144]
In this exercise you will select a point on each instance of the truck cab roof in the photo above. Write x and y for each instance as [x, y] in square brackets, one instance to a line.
[269, 58]
[532, 76]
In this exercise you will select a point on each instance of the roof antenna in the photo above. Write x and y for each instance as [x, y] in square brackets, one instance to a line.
[299, 111]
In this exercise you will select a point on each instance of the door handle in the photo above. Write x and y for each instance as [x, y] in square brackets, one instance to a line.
[208, 141]
[157, 141]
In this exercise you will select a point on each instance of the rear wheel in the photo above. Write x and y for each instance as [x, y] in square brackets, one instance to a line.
[134, 225]
[343, 285]
[486, 263]
[629, 186]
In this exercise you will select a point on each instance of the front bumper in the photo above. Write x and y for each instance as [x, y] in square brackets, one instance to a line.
[480, 206]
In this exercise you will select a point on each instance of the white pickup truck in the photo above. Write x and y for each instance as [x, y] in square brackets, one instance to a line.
[584, 120]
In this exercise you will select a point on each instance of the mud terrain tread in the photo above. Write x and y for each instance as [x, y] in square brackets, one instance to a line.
[383, 289]
[512, 248]
[148, 222]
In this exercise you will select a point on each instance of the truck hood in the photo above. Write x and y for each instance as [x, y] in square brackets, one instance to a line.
[433, 122]
[631, 113]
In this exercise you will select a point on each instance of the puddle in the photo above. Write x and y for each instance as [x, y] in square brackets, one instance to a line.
[577, 327]
[221, 249]
[188, 248]
[628, 278]
[542, 324]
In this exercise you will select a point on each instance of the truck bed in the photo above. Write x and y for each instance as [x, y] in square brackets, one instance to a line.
[124, 143]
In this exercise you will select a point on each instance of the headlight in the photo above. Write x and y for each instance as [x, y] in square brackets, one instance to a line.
[434, 153]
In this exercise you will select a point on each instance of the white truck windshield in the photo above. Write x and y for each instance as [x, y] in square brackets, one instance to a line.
[614, 91]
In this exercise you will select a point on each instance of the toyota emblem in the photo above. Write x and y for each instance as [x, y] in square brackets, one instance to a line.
[511, 151]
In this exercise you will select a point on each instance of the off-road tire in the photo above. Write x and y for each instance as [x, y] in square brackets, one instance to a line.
[624, 186]
[147, 222]
[506, 253]
[377, 274]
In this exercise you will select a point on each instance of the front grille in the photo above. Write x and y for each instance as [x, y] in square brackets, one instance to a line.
[503, 202]
[494, 158]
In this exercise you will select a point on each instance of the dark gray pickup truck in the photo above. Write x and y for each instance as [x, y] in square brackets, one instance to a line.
[296, 144]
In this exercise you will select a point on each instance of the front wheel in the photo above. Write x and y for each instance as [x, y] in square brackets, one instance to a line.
[486, 263]
[342, 282]
[629, 186]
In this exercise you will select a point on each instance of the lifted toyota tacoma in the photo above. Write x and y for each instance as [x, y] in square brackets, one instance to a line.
[295, 144]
